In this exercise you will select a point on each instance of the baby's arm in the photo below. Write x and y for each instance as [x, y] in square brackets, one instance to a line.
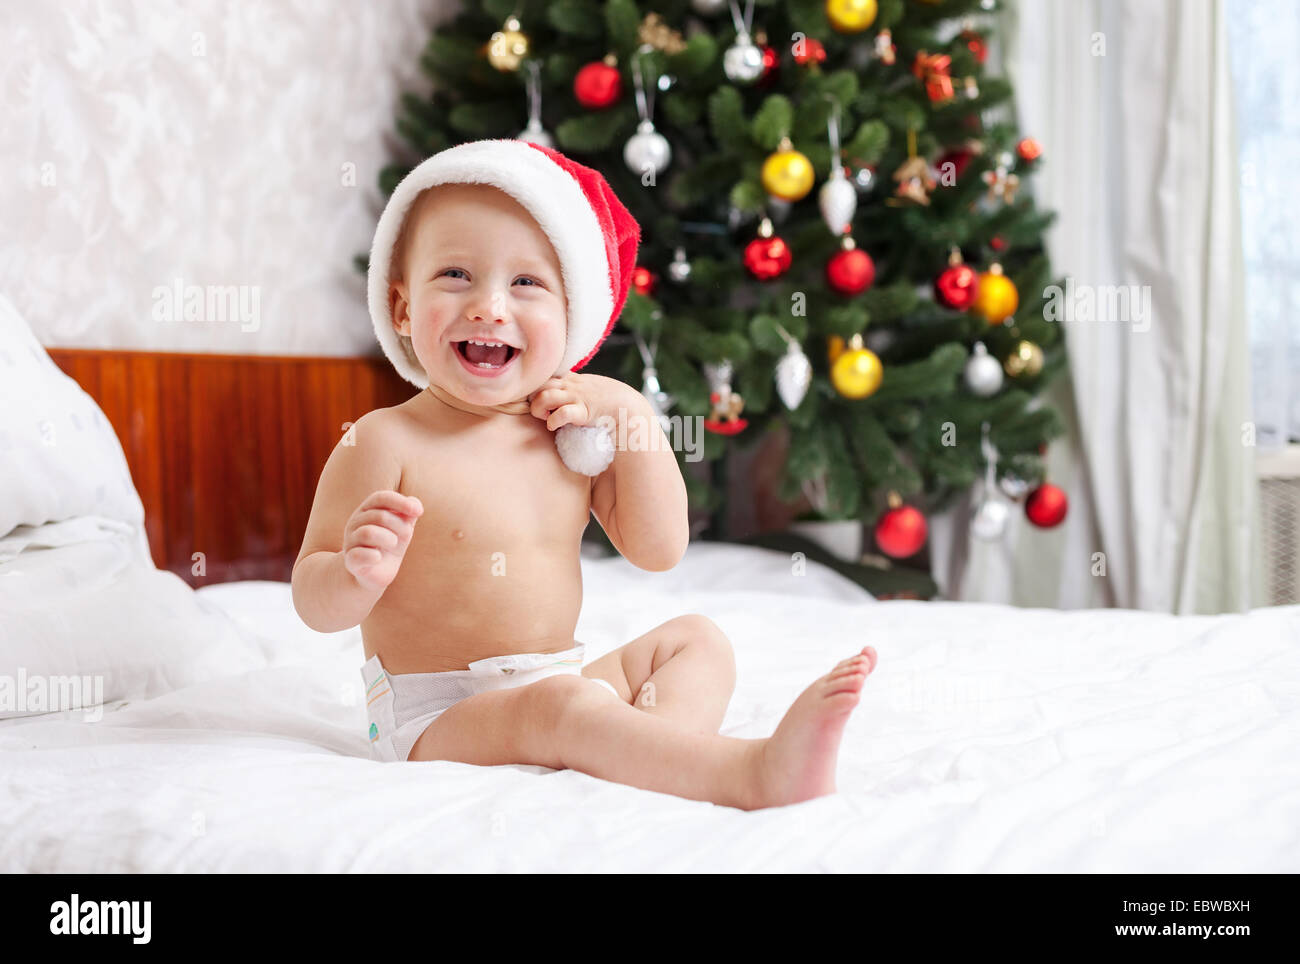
[357, 533]
[640, 500]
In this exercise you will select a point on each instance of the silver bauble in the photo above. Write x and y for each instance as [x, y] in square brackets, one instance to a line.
[679, 269]
[708, 8]
[718, 375]
[880, 340]
[990, 519]
[647, 149]
[983, 373]
[793, 376]
[743, 61]
[1013, 487]
[660, 401]
[862, 55]
[837, 200]
[864, 180]
[535, 133]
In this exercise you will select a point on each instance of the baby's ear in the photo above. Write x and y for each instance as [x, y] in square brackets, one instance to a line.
[399, 302]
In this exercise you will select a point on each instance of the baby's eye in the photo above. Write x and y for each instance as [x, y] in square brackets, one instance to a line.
[450, 270]
[531, 281]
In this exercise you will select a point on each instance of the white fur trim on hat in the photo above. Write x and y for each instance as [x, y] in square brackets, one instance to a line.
[557, 203]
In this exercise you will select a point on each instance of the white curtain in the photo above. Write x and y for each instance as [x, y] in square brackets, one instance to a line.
[1133, 103]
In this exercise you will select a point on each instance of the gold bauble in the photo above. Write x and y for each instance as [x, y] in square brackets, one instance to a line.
[850, 16]
[834, 348]
[508, 47]
[1025, 359]
[996, 298]
[787, 174]
[857, 372]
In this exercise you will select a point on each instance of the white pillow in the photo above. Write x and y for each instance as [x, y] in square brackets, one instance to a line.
[88, 623]
[59, 458]
[85, 618]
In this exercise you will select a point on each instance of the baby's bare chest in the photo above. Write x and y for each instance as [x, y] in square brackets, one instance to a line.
[495, 490]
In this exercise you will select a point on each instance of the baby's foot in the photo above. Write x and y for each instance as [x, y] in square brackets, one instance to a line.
[797, 762]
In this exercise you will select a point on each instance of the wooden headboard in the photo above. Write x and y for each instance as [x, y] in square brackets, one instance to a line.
[225, 450]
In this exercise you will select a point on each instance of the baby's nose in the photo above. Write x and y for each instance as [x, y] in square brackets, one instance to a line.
[491, 307]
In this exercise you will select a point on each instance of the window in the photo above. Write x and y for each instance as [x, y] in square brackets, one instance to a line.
[1263, 37]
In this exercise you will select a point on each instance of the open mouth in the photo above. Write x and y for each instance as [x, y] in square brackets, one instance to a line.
[485, 357]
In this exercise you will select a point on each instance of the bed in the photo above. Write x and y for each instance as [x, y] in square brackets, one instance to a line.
[229, 737]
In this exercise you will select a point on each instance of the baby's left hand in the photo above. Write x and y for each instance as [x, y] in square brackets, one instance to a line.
[577, 399]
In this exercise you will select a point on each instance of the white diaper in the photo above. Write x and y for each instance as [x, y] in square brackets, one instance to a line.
[401, 706]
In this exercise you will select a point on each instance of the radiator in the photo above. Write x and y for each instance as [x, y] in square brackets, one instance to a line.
[1279, 502]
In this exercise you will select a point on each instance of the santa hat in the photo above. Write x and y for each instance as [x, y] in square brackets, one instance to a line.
[594, 237]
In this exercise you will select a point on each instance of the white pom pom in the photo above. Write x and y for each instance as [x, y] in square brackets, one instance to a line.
[585, 449]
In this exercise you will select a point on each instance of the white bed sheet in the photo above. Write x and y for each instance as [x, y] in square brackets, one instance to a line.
[989, 739]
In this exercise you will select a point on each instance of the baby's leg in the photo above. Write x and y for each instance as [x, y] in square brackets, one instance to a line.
[567, 722]
[682, 670]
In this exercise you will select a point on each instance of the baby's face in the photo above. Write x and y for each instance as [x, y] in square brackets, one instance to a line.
[477, 267]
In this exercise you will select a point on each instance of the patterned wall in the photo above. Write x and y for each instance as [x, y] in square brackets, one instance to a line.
[223, 152]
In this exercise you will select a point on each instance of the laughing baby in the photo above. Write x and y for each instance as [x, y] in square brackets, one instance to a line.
[448, 527]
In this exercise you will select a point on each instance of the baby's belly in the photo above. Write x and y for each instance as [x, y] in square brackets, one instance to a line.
[443, 613]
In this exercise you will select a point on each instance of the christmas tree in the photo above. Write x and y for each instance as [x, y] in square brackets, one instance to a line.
[835, 237]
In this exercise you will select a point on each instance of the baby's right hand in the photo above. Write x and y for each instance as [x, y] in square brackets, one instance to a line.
[376, 536]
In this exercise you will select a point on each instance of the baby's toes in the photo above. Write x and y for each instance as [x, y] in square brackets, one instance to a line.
[359, 557]
[855, 664]
[849, 685]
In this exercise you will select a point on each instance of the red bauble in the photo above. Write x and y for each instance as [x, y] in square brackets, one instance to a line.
[1046, 506]
[997, 243]
[813, 53]
[850, 272]
[1029, 149]
[955, 286]
[901, 532]
[958, 157]
[771, 60]
[766, 258]
[734, 427]
[643, 280]
[597, 85]
[976, 45]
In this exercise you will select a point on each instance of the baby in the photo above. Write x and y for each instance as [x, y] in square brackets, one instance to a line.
[449, 528]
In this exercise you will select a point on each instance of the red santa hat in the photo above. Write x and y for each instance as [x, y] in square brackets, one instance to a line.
[594, 236]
